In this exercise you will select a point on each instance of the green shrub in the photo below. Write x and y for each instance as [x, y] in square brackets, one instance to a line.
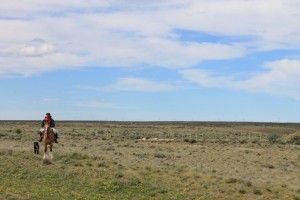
[19, 131]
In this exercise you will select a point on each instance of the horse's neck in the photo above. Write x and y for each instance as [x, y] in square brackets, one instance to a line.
[46, 128]
[48, 134]
[46, 125]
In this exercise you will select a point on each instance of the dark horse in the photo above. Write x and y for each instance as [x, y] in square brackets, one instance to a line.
[48, 139]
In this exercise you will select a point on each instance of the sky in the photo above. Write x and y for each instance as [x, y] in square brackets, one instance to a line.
[159, 60]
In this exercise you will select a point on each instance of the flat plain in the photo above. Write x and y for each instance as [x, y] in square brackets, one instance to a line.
[152, 160]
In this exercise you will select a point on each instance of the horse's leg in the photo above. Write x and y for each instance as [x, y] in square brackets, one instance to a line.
[51, 156]
[45, 151]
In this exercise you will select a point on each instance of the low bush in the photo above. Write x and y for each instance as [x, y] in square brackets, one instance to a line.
[159, 155]
[242, 191]
[273, 137]
[257, 191]
[19, 131]
[293, 138]
[191, 141]
[231, 180]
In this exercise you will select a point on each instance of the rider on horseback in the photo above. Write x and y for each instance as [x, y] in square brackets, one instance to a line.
[51, 122]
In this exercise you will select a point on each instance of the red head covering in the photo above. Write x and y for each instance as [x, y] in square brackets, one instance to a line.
[48, 118]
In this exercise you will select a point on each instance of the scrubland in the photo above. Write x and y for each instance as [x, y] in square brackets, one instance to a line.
[152, 160]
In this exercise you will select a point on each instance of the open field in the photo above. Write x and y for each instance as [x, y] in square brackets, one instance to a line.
[152, 160]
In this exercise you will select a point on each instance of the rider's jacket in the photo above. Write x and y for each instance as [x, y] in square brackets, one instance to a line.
[52, 123]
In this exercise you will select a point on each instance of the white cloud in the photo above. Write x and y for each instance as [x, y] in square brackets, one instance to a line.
[207, 78]
[35, 57]
[113, 33]
[36, 50]
[280, 79]
[30, 65]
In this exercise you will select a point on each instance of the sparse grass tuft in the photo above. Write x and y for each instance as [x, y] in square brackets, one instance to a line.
[102, 164]
[296, 197]
[246, 183]
[78, 156]
[231, 180]
[257, 191]
[269, 166]
[242, 191]
[191, 141]
[2, 135]
[159, 155]
[6, 152]
[19, 131]
[47, 162]
[77, 164]
[119, 174]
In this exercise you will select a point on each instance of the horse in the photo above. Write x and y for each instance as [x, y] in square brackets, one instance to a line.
[48, 139]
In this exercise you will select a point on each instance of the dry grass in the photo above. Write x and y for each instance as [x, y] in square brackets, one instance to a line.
[127, 160]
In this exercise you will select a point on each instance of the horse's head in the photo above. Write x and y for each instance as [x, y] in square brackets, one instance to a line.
[46, 124]
[46, 127]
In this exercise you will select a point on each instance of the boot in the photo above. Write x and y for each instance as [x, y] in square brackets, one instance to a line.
[41, 137]
[55, 138]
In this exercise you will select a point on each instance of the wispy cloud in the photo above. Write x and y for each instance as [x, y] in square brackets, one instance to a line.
[97, 104]
[207, 78]
[281, 78]
[135, 85]
[102, 105]
[51, 100]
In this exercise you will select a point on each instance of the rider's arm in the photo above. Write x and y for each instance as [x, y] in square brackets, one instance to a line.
[53, 123]
[43, 123]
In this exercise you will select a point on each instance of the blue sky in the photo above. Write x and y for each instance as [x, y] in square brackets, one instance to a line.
[230, 60]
